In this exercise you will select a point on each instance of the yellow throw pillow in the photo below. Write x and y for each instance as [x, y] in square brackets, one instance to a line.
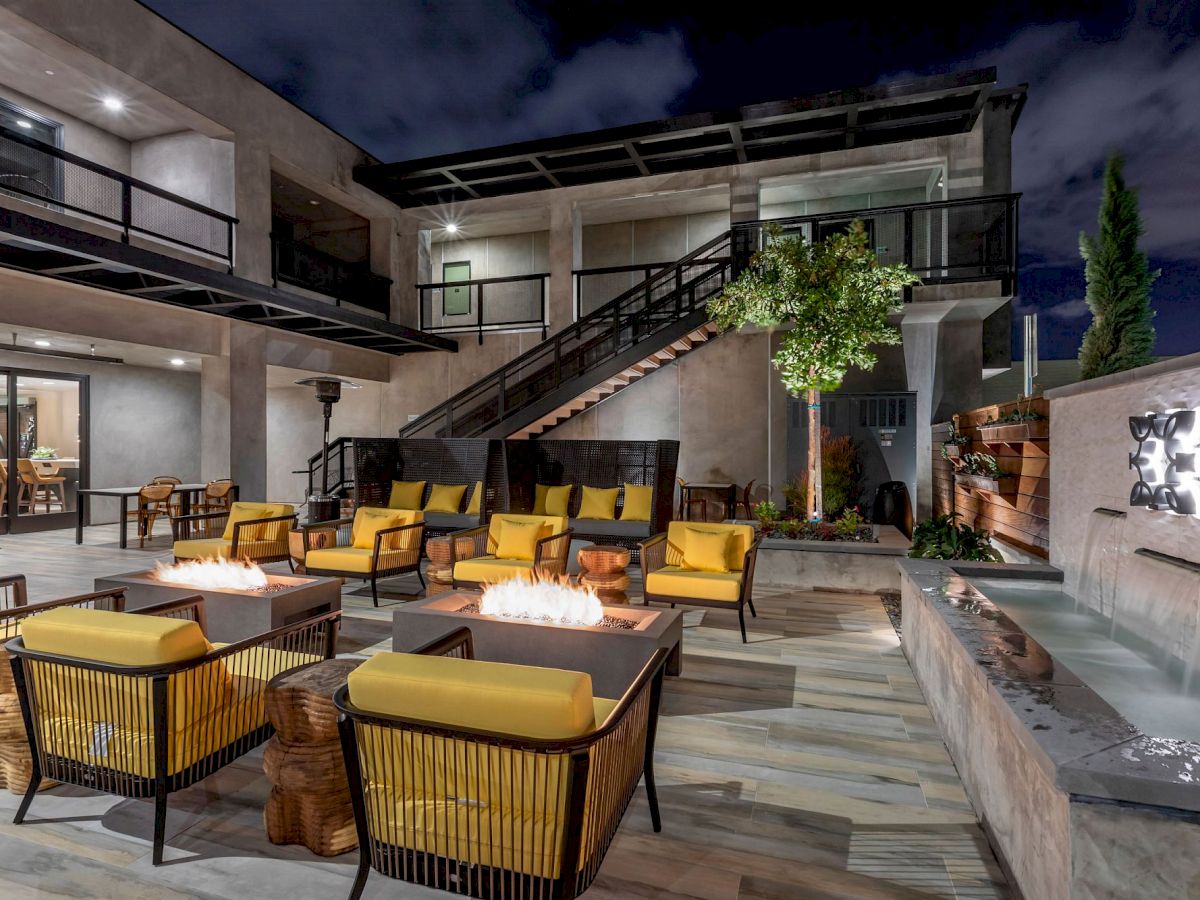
[369, 521]
[706, 551]
[637, 505]
[518, 540]
[552, 500]
[476, 504]
[598, 503]
[445, 498]
[406, 495]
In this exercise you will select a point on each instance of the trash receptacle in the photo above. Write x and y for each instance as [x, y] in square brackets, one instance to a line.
[892, 506]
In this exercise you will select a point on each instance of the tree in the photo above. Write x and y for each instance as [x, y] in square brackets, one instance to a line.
[1121, 335]
[834, 297]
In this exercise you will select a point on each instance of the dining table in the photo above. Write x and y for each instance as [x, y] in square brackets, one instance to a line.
[186, 492]
[728, 488]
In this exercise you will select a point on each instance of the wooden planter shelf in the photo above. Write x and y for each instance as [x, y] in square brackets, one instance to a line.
[1001, 486]
[1015, 432]
[953, 451]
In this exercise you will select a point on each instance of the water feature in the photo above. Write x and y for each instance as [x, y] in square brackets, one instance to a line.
[1099, 567]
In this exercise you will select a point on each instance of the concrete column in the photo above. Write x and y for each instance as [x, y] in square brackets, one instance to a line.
[385, 252]
[252, 193]
[566, 255]
[743, 199]
[214, 411]
[248, 409]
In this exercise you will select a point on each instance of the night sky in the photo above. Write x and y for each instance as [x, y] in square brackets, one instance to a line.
[405, 79]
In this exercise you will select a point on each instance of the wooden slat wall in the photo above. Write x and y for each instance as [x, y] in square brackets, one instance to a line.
[1022, 519]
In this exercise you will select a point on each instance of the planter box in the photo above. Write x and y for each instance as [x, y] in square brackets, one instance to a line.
[1015, 432]
[840, 565]
[953, 451]
[1005, 485]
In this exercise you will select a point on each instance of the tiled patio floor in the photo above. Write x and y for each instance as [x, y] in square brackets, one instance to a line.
[802, 765]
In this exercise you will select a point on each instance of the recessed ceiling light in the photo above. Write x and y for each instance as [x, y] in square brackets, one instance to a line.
[451, 228]
[113, 103]
[314, 202]
[177, 361]
[24, 123]
[49, 71]
[41, 343]
[49, 382]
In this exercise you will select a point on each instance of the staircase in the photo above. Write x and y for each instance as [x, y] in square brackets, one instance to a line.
[629, 337]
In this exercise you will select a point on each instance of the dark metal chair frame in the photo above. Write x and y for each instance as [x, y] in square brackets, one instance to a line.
[343, 529]
[316, 636]
[212, 525]
[549, 559]
[598, 753]
[654, 557]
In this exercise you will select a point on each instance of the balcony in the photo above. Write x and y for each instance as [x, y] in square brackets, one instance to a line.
[485, 304]
[303, 266]
[59, 181]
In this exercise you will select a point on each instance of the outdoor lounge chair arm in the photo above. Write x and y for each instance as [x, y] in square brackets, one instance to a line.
[748, 562]
[478, 536]
[187, 527]
[407, 553]
[239, 527]
[15, 591]
[653, 554]
[341, 528]
[551, 553]
[190, 609]
[458, 643]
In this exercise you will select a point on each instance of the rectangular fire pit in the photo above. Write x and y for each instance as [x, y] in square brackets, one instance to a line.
[612, 654]
[236, 614]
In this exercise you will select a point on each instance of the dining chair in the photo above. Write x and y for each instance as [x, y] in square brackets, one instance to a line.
[38, 488]
[152, 501]
[218, 495]
[175, 501]
[745, 502]
[686, 503]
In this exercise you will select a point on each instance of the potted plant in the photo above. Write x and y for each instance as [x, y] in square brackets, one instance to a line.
[952, 447]
[766, 513]
[982, 472]
[942, 538]
[44, 453]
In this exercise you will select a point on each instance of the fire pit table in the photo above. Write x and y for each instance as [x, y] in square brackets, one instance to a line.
[613, 652]
[234, 614]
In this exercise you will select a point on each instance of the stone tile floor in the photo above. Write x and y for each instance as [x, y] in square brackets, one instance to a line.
[802, 765]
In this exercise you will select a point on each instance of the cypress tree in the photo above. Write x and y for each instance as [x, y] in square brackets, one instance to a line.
[1121, 335]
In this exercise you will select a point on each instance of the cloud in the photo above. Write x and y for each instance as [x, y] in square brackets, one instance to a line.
[425, 79]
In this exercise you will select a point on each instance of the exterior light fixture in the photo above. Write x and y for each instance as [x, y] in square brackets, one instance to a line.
[115, 104]
[324, 507]
[24, 123]
[49, 382]
[451, 228]
[314, 202]
[41, 343]
[177, 361]
[1165, 461]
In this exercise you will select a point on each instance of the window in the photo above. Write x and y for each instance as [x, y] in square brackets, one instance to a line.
[25, 172]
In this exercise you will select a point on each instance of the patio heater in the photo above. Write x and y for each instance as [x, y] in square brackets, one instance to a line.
[324, 506]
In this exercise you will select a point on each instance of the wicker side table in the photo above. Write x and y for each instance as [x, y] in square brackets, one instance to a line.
[439, 572]
[310, 799]
[603, 569]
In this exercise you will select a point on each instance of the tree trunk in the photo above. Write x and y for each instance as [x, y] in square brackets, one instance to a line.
[815, 509]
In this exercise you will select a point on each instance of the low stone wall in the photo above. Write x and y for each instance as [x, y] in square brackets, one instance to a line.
[846, 566]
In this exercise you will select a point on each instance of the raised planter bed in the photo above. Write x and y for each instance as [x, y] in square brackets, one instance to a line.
[1005, 485]
[840, 565]
[1015, 432]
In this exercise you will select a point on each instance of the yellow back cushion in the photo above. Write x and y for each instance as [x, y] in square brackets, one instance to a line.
[445, 498]
[111, 637]
[244, 512]
[638, 502]
[476, 504]
[598, 503]
[552, 500]
[550, 525]
[742, 538]
[523, 700]
[370, 519]
[518, 540]
[406, 495]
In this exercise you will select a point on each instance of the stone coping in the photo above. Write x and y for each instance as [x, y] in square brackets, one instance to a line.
[1154, 370]
[1083, 743]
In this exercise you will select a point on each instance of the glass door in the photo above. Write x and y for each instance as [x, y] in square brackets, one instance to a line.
[43, 430]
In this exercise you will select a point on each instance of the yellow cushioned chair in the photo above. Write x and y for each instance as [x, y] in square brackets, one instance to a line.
[483, 563]
[143, 705]
[715, 570]
[378, 542]
[254, 532]
[516, 772]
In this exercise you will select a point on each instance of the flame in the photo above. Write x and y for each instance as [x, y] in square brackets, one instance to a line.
[213, 573]
[550, 600]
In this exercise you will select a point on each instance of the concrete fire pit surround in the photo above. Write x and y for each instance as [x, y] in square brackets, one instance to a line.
[612, 656]
[235, 615]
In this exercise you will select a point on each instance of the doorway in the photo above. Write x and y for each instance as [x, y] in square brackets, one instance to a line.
[43, 448]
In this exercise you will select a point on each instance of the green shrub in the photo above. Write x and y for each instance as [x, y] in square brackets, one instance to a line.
[942, 538]
[841, 477]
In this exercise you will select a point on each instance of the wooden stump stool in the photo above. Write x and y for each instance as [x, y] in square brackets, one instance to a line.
[310, 799]
[603, 569]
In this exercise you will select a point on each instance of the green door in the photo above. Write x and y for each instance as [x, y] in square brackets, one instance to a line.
[456, 301]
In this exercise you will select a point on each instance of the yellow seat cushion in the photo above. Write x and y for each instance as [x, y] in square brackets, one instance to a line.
[203, 548]
[739, 543]
[341, 559]
[706, 551]
[598, 503]
[476, 504]
[637, 504]
[370, 519]
[528, 701]
[552, 500]
[489, 570]
[445, 498]
[673, 581]
[550, 525]
[406, 495]
[245, 512]
[518, 540]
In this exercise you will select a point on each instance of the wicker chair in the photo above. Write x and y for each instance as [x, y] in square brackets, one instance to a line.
[153, 500]
[253, 532]
[175, 501]
[218, 496]
[665, 578]
[444, 797]
[483, 565]
[343, 548]
[181, 710]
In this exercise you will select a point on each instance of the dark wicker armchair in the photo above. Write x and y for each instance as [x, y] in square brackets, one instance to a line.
[330, 548]
[252, 532]
[179, 712]
[482, 565]
[489, 815]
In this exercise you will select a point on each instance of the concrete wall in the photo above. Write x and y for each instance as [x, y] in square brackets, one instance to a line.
[188, 164]
[79, 137]
[1089, 430]
[496, 256]
[821, 205]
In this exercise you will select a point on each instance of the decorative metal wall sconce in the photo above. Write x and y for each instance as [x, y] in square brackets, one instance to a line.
[1165, 461]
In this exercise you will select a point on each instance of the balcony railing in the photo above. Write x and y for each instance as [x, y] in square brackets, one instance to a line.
[485, 304]
[307, 267]
[43, 174]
